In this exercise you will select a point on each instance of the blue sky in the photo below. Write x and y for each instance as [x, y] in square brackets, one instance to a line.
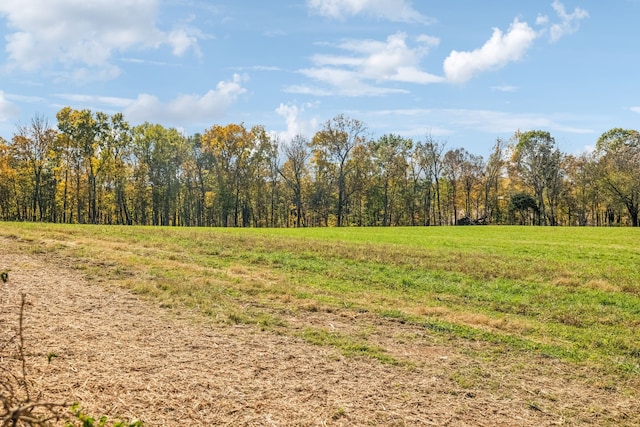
[463, 71]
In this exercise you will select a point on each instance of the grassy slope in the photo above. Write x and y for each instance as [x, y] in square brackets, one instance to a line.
[572, 293]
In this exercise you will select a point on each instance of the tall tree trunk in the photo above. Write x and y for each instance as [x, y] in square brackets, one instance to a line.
[438, 205]
[340, 198]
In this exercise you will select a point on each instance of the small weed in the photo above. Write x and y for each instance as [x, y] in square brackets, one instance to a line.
[236, 318]
[339, 413]
[103, 421]
[395, 314]
[470, 377]
[347, 345]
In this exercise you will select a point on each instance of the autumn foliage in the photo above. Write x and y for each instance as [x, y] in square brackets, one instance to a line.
[92, 167]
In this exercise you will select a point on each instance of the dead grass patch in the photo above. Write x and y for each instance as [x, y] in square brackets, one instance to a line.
[433, 311]
[602, 285]
[478, 319]
[566, 281]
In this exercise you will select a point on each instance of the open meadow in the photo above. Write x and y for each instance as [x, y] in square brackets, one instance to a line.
[334, 326]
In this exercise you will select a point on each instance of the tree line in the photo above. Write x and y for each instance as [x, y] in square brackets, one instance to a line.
[96, 168]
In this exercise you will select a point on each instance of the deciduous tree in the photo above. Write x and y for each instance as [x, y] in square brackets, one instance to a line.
[82, 130]
[294, 171]
[491, 182]
[537, 162]
[160, 153]
[336, 141]
[618, 156]
[390, 153]
[33, 146]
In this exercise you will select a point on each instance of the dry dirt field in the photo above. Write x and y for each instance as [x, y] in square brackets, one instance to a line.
[122, 355]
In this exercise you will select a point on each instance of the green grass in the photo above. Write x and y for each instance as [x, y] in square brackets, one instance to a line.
[569, 293]
[347, 344]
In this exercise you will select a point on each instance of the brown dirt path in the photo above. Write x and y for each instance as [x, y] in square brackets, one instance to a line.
[121, 355]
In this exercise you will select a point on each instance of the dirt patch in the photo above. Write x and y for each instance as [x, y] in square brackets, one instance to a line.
[121, 355]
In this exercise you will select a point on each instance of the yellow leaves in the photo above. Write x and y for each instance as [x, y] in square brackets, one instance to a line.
[319, 158]
[210, 198]
[72, 121]
[234, 146]
[20, 147]
[228, 141]
[63, 114]
[7, 172]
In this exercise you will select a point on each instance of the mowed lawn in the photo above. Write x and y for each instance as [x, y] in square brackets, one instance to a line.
[566, 293]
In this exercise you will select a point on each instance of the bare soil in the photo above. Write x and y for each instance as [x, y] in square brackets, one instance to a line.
[123, 355]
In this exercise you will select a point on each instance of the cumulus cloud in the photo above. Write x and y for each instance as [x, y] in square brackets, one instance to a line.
[569, 22]
[296, 125]
[181, 42]
[503, 48]
[391, 59]
[392, 10]
[498, 51]
[370, 61]
[85, 35]
[7, 109]
[542, 20]
[186, 109]
[635, 109]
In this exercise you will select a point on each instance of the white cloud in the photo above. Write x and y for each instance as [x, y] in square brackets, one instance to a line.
[85, 35]
[408, 122]
[90, 101]
[296, 125]
[489, 121]
[385, 60]
[186, 109]
[266, 68]
[308, 90]
[392, 10]
[342, 82]
[501, 122]
[504, 88]
[570, 21]
[181, 41]
[7, 109]
[371, 61]
[93, 74]
[503, 48]
[498, 51]
[25, 98]
[428, 40]
[635, 109]
[542, 20]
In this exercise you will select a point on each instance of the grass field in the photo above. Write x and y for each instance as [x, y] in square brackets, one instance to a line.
[566, 293]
